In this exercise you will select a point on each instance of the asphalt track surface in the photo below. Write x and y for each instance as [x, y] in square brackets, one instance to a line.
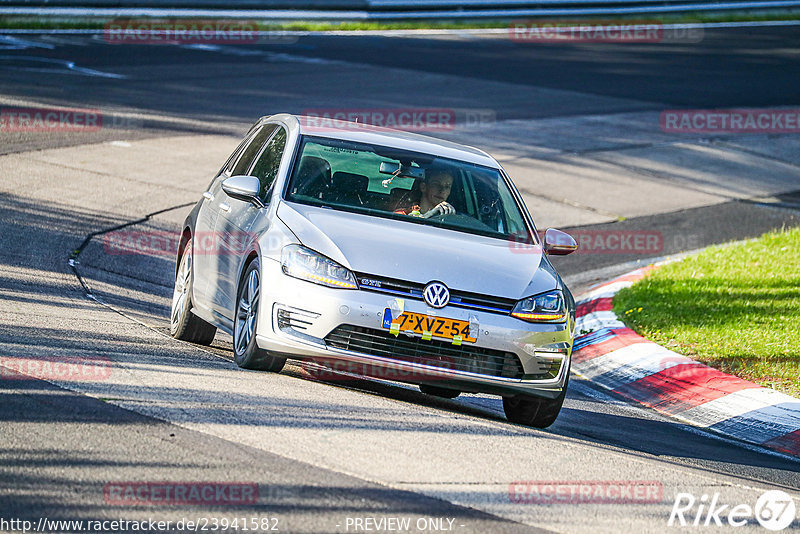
[61, 445]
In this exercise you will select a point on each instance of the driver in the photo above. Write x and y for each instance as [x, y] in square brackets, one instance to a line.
[433, 192]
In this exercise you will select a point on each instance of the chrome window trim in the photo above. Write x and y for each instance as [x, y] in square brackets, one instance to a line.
[279, 125]
[252, 140]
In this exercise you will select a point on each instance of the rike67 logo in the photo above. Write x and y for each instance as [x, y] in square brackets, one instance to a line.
[774, 510]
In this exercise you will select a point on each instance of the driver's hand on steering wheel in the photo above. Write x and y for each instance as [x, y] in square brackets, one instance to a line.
[443, 208]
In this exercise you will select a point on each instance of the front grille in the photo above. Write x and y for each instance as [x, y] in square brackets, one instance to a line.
[435, 353]
[413, 290]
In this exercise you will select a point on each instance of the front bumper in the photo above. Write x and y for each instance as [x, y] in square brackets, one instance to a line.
[315, 311]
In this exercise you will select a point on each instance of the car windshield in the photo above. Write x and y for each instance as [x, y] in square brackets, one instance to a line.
[408, 186]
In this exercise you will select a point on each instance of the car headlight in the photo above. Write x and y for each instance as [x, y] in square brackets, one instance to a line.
[304, 263]
[543, 308]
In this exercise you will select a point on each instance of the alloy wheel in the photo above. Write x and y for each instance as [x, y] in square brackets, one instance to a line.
[246, 310]
[180, 293]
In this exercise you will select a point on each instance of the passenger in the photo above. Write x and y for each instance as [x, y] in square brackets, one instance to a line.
[429, 195]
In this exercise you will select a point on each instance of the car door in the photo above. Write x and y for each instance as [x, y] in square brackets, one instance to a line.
[230, 239]
[204, 258]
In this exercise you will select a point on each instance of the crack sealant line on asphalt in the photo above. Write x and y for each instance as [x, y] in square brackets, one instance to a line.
[73, 264]
[75, 253]
[129, 276]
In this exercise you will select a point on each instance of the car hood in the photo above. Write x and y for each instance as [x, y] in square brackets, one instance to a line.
[421, 254]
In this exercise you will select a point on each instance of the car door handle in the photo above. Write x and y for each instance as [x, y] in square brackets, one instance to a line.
[208, 196]
[224, 206]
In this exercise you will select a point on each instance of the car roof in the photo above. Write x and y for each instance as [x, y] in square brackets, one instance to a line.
[369, 134]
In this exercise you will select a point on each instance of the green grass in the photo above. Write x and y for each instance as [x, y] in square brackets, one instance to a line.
[735, 308]
[61, 23]
[97, 23]
[407, 25]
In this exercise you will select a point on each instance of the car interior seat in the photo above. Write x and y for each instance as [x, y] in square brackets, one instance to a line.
[313, 177]
[399, 198]
[348, 188]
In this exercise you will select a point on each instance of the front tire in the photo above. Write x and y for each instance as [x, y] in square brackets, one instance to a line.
[183, 324]
[534, 411]
[245, 349]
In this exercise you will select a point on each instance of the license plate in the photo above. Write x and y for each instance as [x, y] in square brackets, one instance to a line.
[427, 326]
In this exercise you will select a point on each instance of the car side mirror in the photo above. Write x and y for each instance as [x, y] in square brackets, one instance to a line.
[559, 243]
[243, 188]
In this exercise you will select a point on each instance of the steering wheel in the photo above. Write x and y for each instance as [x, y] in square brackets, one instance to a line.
[442, 216]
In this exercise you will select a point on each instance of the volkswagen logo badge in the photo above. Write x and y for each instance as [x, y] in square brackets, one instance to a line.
[436, 295]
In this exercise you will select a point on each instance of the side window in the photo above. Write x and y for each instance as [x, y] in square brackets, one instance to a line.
[249, 153]
[226, 168]
[234, 157]
[510, 220]
[266, 168]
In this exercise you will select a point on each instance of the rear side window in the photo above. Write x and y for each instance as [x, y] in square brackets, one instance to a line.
[234, 157]
[269, 162]
[250, 152]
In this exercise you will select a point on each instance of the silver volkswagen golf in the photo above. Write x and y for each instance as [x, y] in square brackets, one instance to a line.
[362, 248]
